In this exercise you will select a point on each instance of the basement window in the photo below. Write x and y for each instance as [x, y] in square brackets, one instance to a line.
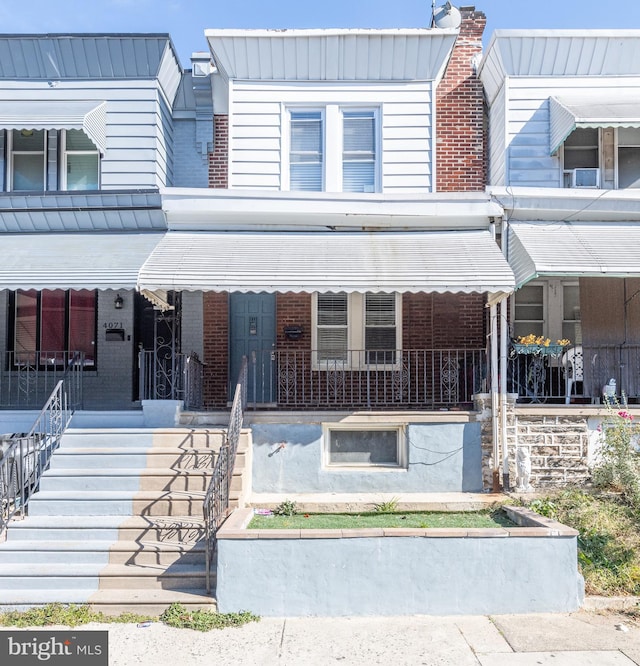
[382, 446]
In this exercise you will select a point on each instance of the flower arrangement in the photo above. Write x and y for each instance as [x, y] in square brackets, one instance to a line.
[539, 345]
[540, 341]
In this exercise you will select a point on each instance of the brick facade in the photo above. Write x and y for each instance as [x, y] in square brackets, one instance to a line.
[219, 158]
[460, 146]
[216, 347]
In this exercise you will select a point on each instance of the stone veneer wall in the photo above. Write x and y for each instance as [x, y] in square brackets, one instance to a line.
[558, 441]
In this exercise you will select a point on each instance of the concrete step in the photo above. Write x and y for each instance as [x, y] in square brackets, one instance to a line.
[145, 552]
[175, 576]
[167, 529]
[157, 478]
[117, 503]
[183, 438]
[80, 576]
[151, 601]
[131, 458]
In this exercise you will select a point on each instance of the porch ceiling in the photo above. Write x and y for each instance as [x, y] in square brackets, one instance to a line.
[434, 261]
[73, 260]
[574, 249]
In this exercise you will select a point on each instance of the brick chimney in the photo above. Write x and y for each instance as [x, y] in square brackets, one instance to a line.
[460, 147]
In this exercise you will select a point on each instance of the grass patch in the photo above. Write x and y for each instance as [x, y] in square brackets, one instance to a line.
[609, 539]
[68, 615]
[343, 521]
[201, 620]
[73, 615]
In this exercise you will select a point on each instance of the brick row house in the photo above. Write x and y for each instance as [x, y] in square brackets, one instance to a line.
[347, 248]
[347, 209]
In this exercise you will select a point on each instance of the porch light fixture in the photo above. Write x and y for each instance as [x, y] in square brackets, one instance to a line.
[118, 303]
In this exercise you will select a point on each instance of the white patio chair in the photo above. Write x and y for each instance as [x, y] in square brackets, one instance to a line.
[573, 364]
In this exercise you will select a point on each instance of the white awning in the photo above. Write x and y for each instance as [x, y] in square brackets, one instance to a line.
[89, 117]
[567, 114]
[434, 261]
[73, 260]
[574, 249]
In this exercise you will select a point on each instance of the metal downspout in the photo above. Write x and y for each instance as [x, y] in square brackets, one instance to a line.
[503, 394]
[494, 397]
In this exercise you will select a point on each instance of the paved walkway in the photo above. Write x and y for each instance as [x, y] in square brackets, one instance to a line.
[579, 639]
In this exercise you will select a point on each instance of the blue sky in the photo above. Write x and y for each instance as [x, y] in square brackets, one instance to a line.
[186, 20]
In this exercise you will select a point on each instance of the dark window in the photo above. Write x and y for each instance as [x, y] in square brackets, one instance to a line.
[364, 447]
[54, 327]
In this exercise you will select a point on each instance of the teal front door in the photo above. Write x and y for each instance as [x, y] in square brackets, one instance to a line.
[252, 333]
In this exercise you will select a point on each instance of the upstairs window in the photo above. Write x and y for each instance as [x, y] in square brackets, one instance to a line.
[358, 152]
[306, 154]
[81, 162]
[607, 158]
[334, 149]
[27, 160]
[49, 326]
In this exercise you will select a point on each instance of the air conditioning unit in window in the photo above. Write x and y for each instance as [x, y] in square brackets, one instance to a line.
[583, 177]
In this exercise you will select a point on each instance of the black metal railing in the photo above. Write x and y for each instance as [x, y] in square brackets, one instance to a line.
[28, 378]
[26, 456]
[380, 379]
[171, 377]
[543, 377]
[216, 507]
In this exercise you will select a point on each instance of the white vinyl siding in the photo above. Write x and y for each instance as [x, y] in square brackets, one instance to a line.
[259, 127]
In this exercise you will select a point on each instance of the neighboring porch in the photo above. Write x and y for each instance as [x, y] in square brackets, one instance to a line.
[580, 281]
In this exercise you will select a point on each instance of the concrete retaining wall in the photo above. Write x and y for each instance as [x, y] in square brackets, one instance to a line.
[440, 457]
[398, 571]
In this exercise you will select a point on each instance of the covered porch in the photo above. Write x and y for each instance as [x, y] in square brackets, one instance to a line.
[579, 281]
[331, 314]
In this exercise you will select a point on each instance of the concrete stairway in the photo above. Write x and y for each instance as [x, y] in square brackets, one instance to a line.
[117, 522]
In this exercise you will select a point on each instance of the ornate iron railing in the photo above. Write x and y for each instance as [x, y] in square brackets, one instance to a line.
[171, 377]
[28, 378]
[424, 378]
[216, 507]
[542, 377]
[26, 457]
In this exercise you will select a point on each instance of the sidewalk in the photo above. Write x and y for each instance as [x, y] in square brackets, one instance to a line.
[584, 638]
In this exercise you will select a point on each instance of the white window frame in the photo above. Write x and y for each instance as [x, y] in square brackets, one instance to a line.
[332, 129]
[376, 143]
[11, 153]
[356, 327]
[401, 443]
[553, 306]
[65, 153]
